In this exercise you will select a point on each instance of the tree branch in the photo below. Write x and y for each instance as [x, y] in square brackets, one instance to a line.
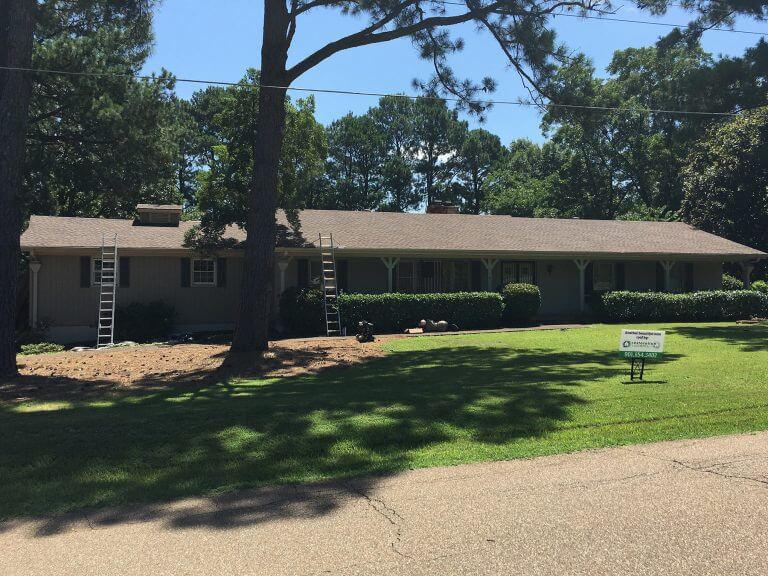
[368, 36]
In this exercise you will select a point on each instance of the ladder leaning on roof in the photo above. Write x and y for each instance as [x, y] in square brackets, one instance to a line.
[107, 290]
[330, 291]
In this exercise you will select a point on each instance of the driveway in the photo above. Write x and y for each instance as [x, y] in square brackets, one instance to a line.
[687, 507]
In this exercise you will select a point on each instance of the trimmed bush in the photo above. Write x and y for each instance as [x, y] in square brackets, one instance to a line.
[760, 286]
[40, 348]
[732, 283]
[693, 306]
[395, 312]
[144, 322]
[301, 311]
[521, 302]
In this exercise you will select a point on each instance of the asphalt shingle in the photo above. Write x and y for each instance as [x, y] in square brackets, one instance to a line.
[387, 231]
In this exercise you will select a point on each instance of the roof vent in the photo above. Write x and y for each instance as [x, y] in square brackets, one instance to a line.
[438, 207]
[158, 214]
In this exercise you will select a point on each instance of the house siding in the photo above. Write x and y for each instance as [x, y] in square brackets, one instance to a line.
[72, 310]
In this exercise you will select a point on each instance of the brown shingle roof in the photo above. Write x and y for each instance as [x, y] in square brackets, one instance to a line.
[387, 231]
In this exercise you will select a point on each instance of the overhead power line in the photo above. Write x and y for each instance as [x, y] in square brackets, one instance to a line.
[623, 20]
[640, 110]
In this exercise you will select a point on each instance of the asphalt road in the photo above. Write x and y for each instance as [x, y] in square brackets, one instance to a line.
[690, 507]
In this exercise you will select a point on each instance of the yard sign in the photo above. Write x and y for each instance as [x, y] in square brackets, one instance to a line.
[641, 344]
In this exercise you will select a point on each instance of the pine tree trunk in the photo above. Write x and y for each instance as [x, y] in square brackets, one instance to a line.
[252, 328]
[16, 28]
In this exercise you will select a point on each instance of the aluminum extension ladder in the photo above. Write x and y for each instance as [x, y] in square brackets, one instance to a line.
[330, 286]
[107, 290]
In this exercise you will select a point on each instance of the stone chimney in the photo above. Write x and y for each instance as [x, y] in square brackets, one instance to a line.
[158, 214]
[438, 207]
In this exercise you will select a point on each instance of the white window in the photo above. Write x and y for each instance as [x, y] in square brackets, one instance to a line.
[603, 276]
[204, 272]
[110, 274]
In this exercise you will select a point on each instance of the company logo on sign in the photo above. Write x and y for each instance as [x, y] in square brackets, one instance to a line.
[641, 343]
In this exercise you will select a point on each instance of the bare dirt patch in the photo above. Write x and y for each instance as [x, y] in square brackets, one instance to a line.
[69, 375]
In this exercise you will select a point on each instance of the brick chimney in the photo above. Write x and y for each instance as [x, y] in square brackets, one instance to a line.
[438, 207]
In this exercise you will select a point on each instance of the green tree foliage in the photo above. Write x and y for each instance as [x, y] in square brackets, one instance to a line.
[394, 119]
[620, 164]
[726, 180]
[480, 151]
[439, 136]
[99, 140]
[356, 156]
[525, 182]
[228, 124]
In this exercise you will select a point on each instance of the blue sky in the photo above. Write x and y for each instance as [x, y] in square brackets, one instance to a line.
[218, 40]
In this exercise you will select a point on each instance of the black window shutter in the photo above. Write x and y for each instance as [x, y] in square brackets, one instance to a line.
[185, 272]
[221, 272]
[659, 277]
[688, 277]
[125, 272]
[342, 271]
[534, 269]
[85, 271]
[302, 268]
[476, 276]
[589, 279]
[621, 276]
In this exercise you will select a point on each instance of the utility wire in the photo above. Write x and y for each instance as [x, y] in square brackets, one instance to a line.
[379, 94]
[624, 20]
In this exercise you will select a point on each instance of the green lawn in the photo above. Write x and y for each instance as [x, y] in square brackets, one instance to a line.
[432, 401]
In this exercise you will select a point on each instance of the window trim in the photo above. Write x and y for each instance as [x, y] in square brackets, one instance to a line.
[192, 281]
[95, 282]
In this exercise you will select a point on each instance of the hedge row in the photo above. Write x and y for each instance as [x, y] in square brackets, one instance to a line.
[665, 307]
[301, 310]
[391, 312]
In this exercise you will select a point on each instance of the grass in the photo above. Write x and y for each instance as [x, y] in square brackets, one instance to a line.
[432, 401]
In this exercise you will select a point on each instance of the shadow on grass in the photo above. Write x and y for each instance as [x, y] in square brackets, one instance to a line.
[749, 337]
[213, 438]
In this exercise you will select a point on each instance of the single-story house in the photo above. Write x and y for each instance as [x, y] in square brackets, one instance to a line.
[437, 251]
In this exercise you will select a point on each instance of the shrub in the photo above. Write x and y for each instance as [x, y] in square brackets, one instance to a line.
[521, 302]
[394, 312]
[144, 322]
[732, 283]
[40, 348]
[664, 307]
[302, 312]
[760, 286]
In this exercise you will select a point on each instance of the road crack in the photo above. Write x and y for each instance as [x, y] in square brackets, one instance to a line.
[706, 469]
[390, 514]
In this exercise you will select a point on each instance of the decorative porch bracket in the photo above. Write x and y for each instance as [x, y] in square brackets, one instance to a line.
[390, 263]
[746, 271]
[489, 264]
[667, 265]
[582, 266]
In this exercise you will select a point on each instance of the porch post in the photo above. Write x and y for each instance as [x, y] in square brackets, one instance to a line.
[489, 266]
[582, 266]
[746, 271]
[282, 264]
[34, 268]
[667, 265]
[390, 263]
